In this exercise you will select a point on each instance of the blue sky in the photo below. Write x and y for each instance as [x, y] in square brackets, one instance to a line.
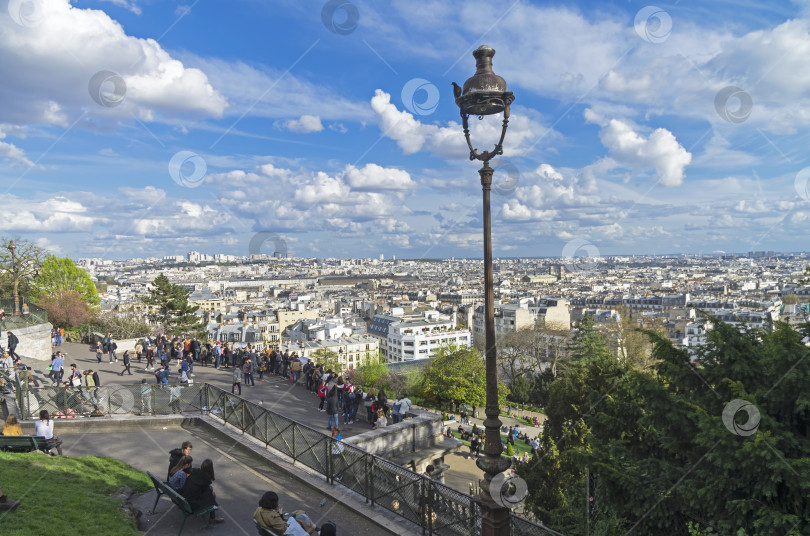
[148, 128]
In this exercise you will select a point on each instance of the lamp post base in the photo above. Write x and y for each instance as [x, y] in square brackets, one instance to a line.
[495, 519]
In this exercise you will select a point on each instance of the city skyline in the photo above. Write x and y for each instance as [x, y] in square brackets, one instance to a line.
[135, 128]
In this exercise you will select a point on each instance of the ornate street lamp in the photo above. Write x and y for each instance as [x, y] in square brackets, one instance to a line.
[12, 247]
[485, 94]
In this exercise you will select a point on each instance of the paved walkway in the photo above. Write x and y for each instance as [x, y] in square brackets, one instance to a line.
[241, 479]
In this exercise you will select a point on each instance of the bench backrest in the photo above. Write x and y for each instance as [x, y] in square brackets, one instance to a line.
[264, 531]
[167, 490]
[34, 442]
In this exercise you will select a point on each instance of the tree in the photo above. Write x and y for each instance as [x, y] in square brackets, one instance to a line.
[455, 375]
[58, 275]
[520, 390]
[531, 350]
[329, 359]
[66, 308]
[17, 274]
[632, 345]
[717, 436]
[372, 371]
[171, 308]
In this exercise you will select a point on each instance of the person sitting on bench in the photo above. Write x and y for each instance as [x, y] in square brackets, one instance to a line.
[198, 491]
[179, 473]
[44, 427]
[12, 427]
[269, 515]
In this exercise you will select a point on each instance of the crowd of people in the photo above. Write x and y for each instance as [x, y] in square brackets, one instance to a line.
[338, 398]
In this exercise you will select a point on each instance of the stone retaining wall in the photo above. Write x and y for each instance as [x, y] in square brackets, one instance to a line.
[35, 341]
[421, 431]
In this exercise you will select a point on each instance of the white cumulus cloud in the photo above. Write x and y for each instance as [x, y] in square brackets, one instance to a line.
[304, 124]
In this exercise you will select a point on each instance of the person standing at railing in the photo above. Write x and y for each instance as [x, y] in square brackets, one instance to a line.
[146, 398]
[237, 380]
[332, 403]
[247, 373]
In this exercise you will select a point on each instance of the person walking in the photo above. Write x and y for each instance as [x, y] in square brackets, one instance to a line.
[13, 341]
[112, 348]
[150, 359]
[99, 351]
[237, 380]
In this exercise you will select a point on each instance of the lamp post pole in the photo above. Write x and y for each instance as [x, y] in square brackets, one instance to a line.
[12, 247]
[485, 94]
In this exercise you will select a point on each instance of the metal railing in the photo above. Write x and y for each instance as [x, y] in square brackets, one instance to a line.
[436, 508]
[29, 315]
[524, 527]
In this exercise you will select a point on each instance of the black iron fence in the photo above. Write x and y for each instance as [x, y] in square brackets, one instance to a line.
[438, 509]
[29, 315]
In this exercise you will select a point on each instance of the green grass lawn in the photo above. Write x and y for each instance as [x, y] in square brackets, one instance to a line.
[520, 447]
[66, 495]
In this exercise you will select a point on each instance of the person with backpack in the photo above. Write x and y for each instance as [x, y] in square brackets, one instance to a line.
[368, 401]
[348, 400]
[355, 399]
[162, 375]
[405, 406]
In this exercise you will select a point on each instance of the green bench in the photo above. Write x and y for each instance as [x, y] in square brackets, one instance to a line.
[162, 488]
[23, 444]
[264, 531]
